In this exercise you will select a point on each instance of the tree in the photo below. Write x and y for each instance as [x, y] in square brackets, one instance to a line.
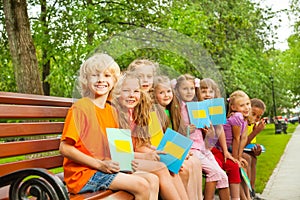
[22, 47]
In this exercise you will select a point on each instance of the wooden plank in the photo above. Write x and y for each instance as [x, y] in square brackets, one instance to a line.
[21, 112]
[107, 194]
[27, 147]
[32, 99]
[119, 195]
[88, 196]
[45, 162]
[28, 129]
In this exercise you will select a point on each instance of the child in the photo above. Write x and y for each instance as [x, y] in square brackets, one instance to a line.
[208, 90]
[235, 129]
[187, 89]
[87, 163]
[133, 106]
[191, 172]
[146, 70]
[255, 126]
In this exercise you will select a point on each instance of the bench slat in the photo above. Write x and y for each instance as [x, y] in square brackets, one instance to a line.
[21, 112]
[56, 161]
[120, 195]
[89, 196]
[117, 195]
[33, 99]
[25, 129]
[28, 147]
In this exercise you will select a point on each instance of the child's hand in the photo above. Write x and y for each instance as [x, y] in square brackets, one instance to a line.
[242, 163]
[192, 128]
[153, 155]
[228, 155]
[204, 130]
[209, 131]
[109, 166]
[134, 165]
[258, 127]
[152, 147]
[257, 150]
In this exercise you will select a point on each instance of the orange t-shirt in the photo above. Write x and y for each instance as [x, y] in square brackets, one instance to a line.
[86, 125]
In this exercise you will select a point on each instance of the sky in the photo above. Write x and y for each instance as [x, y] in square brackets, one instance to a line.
[285, 26]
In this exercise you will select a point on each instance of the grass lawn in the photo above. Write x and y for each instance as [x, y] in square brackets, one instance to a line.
[267, 161]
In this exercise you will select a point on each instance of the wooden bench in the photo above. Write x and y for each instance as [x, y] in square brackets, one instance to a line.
[30, 164]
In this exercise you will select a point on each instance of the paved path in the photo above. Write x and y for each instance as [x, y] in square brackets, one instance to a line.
[284, 184]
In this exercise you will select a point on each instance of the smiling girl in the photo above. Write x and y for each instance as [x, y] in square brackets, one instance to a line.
[187, 89]
[145, 70]
[191, 170]
[133, 107]
[235, 129]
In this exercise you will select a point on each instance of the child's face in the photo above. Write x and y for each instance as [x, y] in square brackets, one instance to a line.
[163, 94]
[242, 105]
[101, 83]
[186, 90]
[130, 93]
[206, 93]
[145, 74]
[256, 113]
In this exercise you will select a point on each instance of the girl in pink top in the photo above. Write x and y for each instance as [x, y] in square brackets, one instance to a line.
[235, 129]
[236, 126]
[209, 90]
[187, 90]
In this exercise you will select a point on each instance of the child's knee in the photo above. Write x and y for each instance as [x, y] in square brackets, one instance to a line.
[162, 168]
[153, 179]
[142, 184]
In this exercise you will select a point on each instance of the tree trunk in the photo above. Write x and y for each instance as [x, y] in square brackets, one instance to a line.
[89, 21]
[45, 57]
[21, 46]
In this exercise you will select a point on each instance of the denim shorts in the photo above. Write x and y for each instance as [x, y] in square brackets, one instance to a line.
[99, 181]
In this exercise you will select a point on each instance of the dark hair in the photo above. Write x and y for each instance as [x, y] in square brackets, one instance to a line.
[258, 103]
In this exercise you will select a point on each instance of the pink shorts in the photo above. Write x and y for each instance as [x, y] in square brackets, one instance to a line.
[211, 168]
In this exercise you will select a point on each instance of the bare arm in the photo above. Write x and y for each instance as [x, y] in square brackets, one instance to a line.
[243, 143]
[223, 144]
[67, 149]
[236, 130]
[147, 153]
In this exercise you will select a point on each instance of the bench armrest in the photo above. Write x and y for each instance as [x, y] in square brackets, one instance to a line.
[36, 182]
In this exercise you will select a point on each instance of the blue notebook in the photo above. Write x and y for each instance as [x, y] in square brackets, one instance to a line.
[204, 113]
[216, 111]
[176, 147]
[198, 113]
[249, 147]
[246, 178]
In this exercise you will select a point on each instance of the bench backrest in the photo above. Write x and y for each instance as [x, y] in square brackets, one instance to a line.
[30, 129]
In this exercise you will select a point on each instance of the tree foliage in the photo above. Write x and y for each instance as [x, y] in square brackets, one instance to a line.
[232, 36]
